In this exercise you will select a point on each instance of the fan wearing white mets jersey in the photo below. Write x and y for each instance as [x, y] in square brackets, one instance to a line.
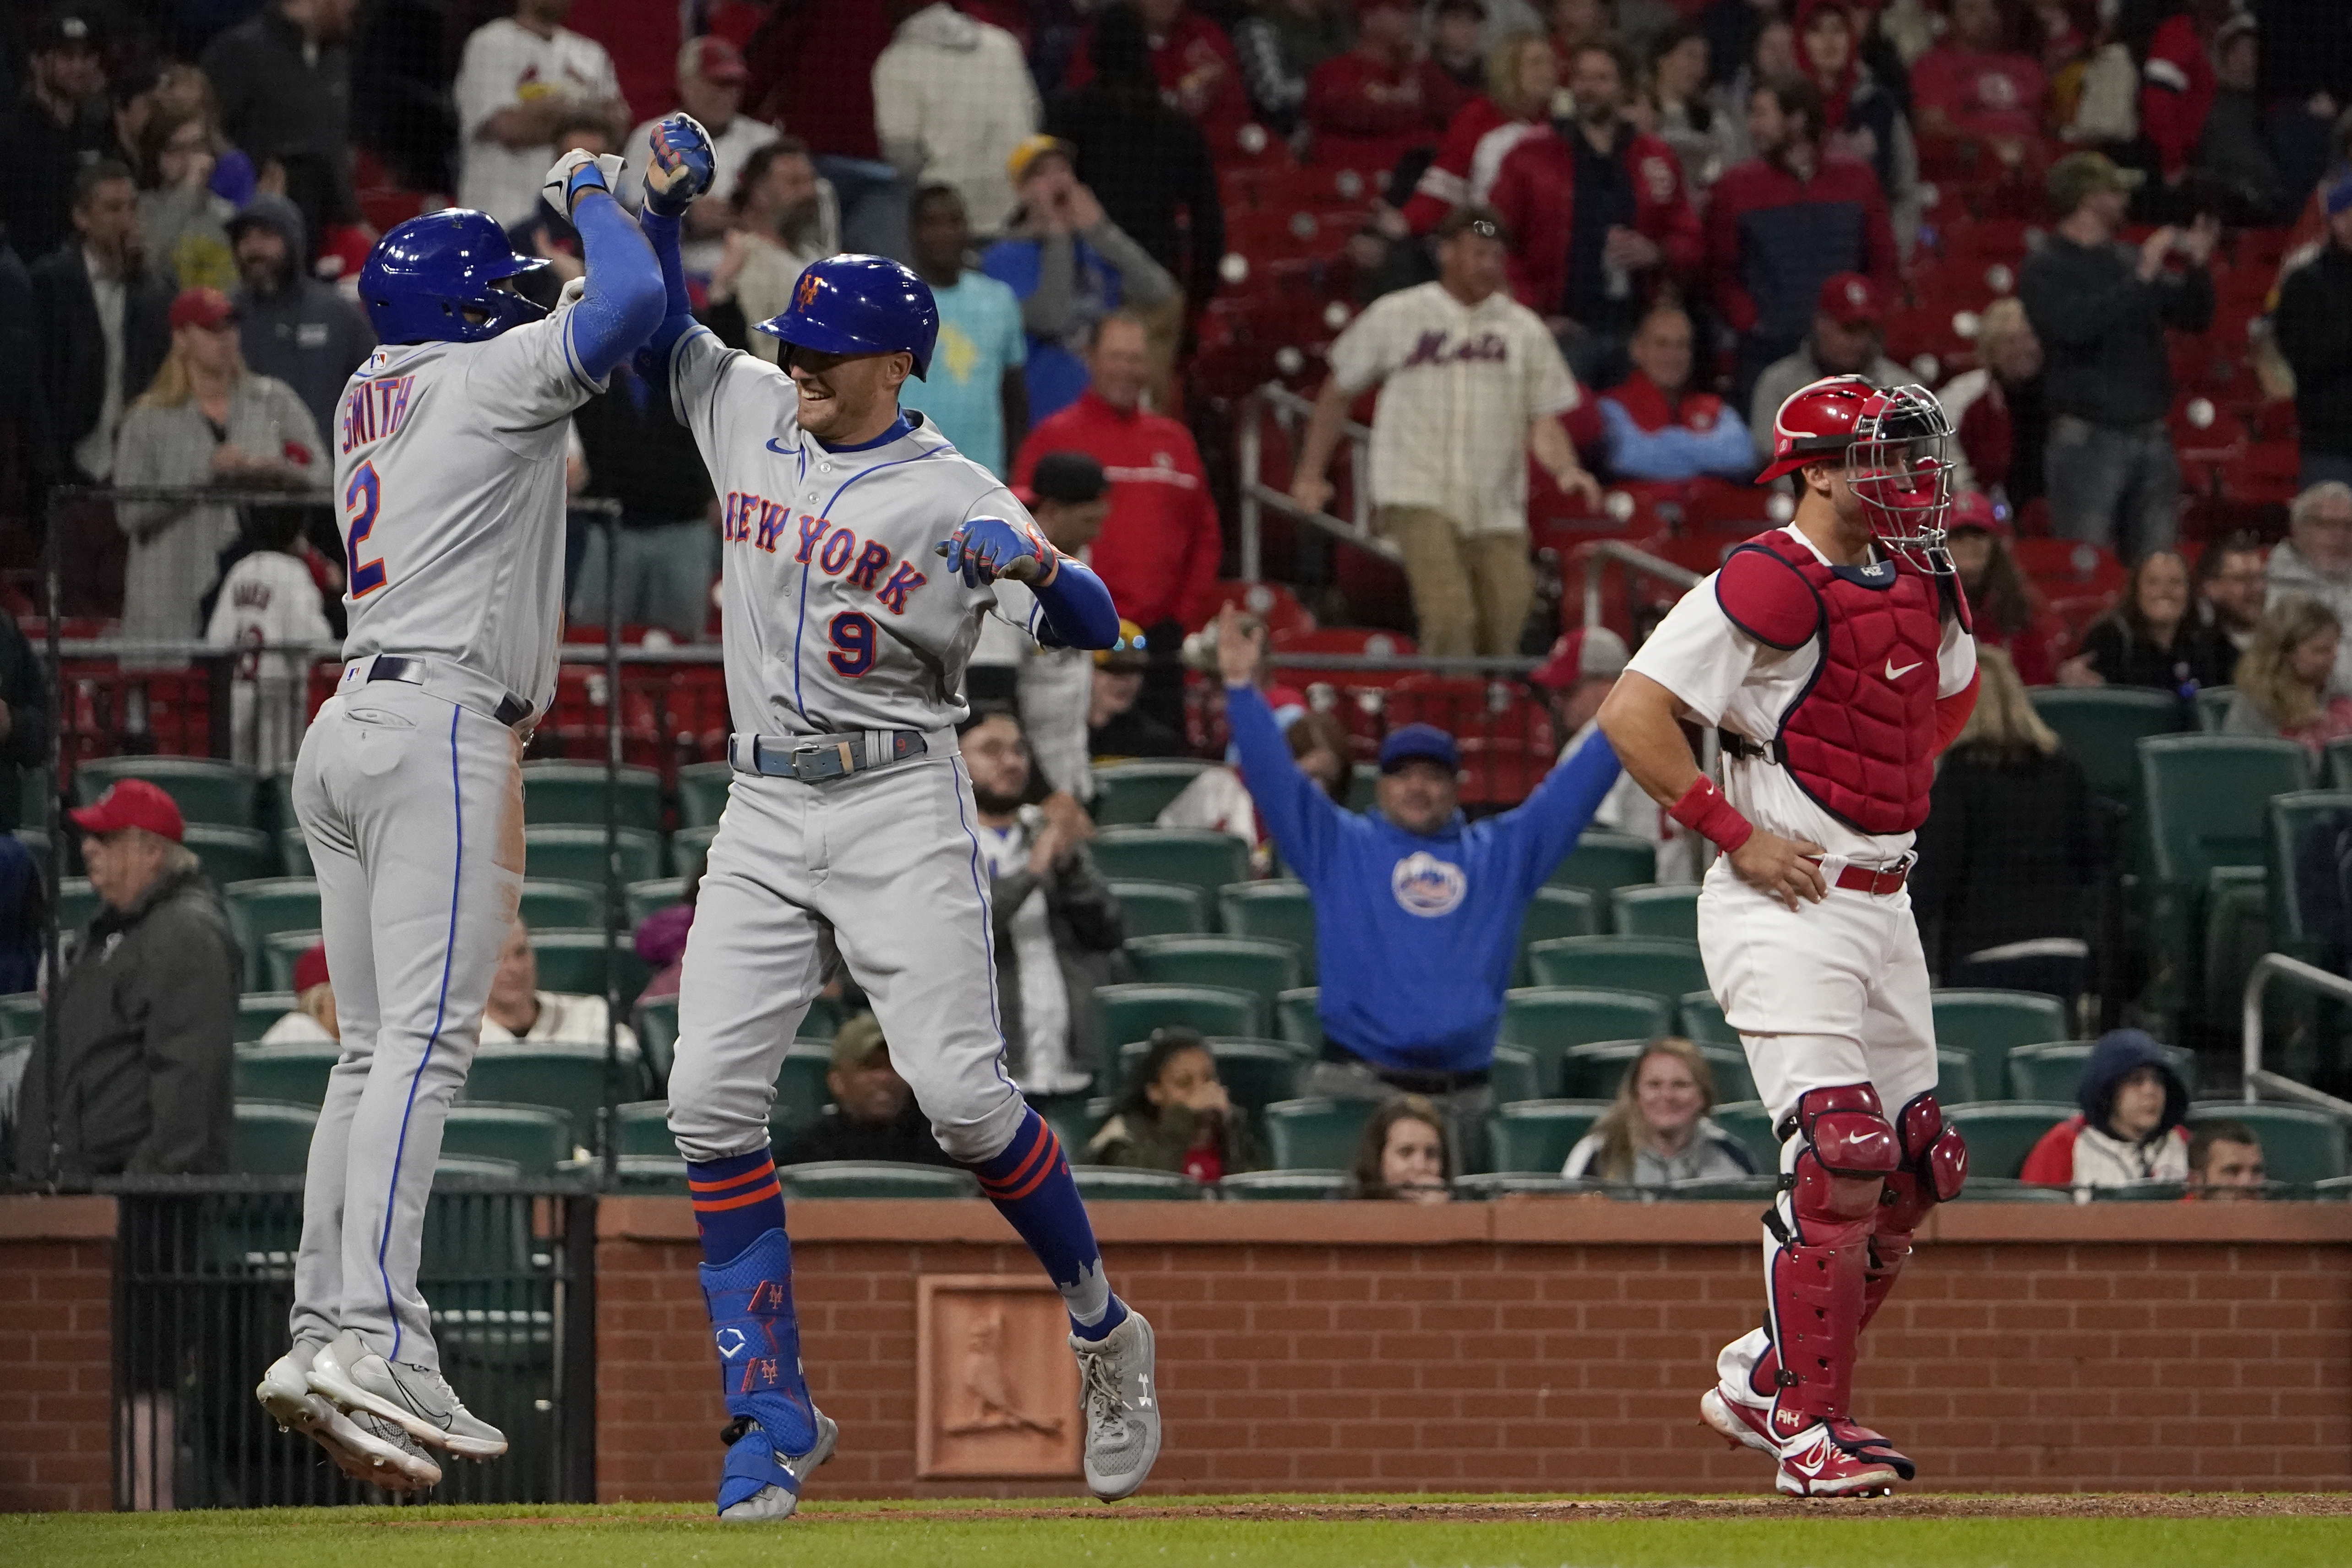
[449, 465]
[862, 553]
[1834, 657]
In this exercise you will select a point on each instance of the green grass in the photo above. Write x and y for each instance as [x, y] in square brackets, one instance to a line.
[858, 1536]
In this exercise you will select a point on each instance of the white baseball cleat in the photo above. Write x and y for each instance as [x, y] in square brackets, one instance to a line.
[366, 1448]
[1119, 1396]
[416, 1399]
[1737, 1422]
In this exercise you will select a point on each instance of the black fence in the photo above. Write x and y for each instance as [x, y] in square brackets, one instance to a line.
[203, 1281]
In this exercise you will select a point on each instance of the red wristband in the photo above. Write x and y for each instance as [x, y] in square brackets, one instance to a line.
[1705, 811]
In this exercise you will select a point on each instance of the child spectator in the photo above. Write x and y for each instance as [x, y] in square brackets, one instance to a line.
[1176, 1116]
[2283, 674]
[2225, 1161]
[2130, 1129]
[1657, 1133]
[1404, 1153]
[181, 221]
[269, 610]
[2150, 639]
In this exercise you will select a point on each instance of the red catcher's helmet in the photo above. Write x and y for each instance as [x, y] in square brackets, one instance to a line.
[1897, 448]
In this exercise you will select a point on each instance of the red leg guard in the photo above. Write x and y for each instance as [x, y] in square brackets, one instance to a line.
[1815, 1276]
[1934, 1168]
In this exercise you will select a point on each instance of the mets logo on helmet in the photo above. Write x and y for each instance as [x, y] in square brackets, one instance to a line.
[805, 294]
[1427, 886]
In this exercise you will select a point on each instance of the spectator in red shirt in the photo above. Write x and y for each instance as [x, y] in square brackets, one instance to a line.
[1784, 223]
[1598, 217]
[1860, 118]
[1522, 75]
[1159, 544]
[1372, 105]
[2007, 609]
[2176, 80]
[1198, 71]
[1972, 92]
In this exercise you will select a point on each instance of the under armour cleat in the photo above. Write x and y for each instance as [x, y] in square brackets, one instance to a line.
[417, 1399]
[760, 1484]
[1836, 1459]
[366, 1448]
[1119, 1396]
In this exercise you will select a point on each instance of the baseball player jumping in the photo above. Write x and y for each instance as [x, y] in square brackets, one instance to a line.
[449, 467]
[1835, 657]
[861, 552]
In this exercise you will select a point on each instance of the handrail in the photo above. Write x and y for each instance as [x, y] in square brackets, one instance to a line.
[1292, 410]
[2278, 965]
[1639, 561]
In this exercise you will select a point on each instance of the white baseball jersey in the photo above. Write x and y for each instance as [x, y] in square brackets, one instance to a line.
[505, 65]
[269, 601]
[839, 614]
[449, 470]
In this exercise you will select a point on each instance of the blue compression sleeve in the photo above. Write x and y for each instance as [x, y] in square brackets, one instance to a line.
[1078, 611]
[623, 302]
[662, 233]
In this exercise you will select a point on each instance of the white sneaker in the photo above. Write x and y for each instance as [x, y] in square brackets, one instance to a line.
[417, 1399]
[366, 1448]
[1120, 1395]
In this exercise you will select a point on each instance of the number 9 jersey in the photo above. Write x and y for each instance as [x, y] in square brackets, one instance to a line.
[450, 472]
[839, 614]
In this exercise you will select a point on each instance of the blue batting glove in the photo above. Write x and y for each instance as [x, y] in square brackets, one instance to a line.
[985, 548]
[680, 165]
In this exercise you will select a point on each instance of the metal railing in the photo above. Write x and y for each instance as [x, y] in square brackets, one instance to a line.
[1600, 553]
[2293, 972]
[1292, 411]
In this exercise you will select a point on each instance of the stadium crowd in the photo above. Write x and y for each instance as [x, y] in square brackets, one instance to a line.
[1564, 260]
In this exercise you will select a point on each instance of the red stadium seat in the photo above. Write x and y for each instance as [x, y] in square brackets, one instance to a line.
[2069, 565]
[1272, 602]
[1356, 642]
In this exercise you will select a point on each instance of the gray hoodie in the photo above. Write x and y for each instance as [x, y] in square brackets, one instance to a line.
[303, 332]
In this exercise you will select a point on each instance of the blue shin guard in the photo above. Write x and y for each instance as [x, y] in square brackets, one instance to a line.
[759, 1343]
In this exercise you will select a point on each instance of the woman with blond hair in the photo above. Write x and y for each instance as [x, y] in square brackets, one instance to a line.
[205, 422]
[2009, 850]
[1658, 1132]
[2282, 676]
[1522, 77]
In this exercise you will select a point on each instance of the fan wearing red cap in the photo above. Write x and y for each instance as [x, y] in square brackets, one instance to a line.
[128, 839]
[711, 77]
[1835, 661]
[1847, 339]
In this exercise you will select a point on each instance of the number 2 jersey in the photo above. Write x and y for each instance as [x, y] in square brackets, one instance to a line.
[840, 614]
[450, 471]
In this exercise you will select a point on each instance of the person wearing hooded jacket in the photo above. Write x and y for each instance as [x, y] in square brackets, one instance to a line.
[2134, 1105]
[292, 327]
[952, 99]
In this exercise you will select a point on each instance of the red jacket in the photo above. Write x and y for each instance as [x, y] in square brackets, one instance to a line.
[811, 72]
[1449, 180]
[1366, 114]
[1649, 406]
[1535, 191]
[1199, 74]
[2176, 92]
[1158, 548]
[1772, 240]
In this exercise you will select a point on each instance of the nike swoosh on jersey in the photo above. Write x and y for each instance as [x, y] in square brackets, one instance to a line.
[1895, 675]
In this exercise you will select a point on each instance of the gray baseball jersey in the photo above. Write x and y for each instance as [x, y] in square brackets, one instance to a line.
[449, 469]
[839, 614]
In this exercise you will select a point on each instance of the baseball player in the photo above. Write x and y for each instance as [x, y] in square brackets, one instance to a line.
[449, 467]
[1834, 656]
[861, 552]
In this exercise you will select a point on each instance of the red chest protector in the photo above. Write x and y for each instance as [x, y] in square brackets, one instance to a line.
[1860, 739]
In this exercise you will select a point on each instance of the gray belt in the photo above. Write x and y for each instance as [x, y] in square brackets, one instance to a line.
[812, 759]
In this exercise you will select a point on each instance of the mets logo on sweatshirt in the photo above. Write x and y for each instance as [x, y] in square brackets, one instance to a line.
[1427, 886]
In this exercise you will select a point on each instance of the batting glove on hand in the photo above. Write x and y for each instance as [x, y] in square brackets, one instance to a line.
[682, 166]
[985, 548]
[578, 171]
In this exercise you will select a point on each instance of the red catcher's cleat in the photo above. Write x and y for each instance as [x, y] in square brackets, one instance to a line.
[1837, 1458]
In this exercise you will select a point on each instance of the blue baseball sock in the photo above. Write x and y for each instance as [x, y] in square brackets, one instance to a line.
[1031, 1186]
[736, 1202]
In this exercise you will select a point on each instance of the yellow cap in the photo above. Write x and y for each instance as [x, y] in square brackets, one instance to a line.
[1031, 149]
[1130, 652]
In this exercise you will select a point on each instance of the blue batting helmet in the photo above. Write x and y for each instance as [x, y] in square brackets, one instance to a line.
[425, 275]
[860, 305]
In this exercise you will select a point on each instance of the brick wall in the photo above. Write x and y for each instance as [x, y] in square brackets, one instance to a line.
[56, 1260]
[1551, 1345]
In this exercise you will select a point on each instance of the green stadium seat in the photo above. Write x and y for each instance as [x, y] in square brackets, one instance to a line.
[2237, 935]
[1553, 913]
[273, 803]
[2301, 1144]
[874, 1178]
[1756, 1188]
[1133, 794]
[219, 794]
[466, 1172]
[690, 847]
[1659, 966]
[1485, 1186]
[2207, 808]
[802, 1091]
[655, 1023]
[642, 899]
[78, 902]
[1956, 1078]
[1592, 1072]
[821, 1020]
[288, 1075]
[1286, 1187]
[1260, 965]
[1315, 1134]
[2001, 1133]
[2053, 1071]
[272, 1138]
[1513, 1076]
[280, 952]
[536, 1138]
[1604, 861]
[1132, 1011]
[563, 905]
[232, 854]
[2101, 727]
[2293, 818]
[293, 853]
[1655, 911]
[2213, 707]
[575, 961]
[1298, 1017]
[566, 1078]
[565, 851]
[702, 793]
[1534, 1136]
[1280, 909]
[641, 1129]
[2007, 1189]
[1075, 1118]
[1161, 908]
[1363, 787]
[646, 1175]
[1988, 1025]
[256, 1010]
[1702, 1020]
[1192, 856]
[1115, 1184]
[1546, 1021]
[1748, 1121]
[557, 791]
[1255, 1072]
[258, 909]
[20, 1015]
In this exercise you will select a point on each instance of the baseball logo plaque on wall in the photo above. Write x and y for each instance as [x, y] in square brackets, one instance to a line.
[1427, 886]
